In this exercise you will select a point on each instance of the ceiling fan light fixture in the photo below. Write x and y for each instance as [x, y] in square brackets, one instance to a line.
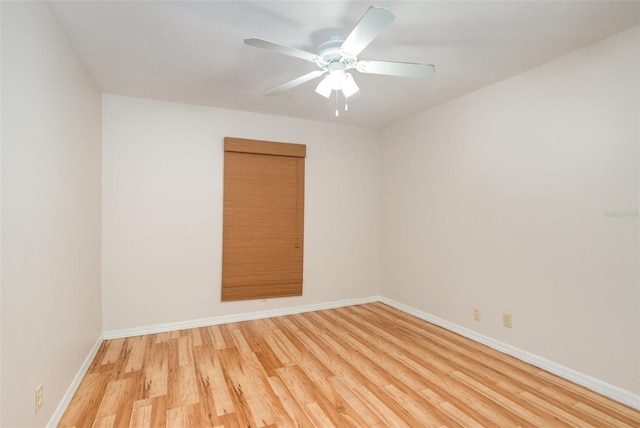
[337, 80]
[334, 81]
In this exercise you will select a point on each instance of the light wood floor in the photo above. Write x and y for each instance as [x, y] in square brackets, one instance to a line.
[367, 366]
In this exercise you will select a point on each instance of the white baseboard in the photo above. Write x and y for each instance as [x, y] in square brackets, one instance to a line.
[204, 322]
[66, 398]
[596, 385]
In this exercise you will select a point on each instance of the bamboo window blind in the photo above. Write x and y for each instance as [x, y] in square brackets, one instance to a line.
[263, 219]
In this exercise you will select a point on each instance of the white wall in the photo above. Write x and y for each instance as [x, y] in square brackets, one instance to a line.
[50, 212]
[0, 217]
[162, 210]
[499, 200]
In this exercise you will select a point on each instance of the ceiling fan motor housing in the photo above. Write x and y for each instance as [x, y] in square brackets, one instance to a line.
[330, 52]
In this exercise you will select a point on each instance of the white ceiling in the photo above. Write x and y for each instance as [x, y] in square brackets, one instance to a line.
[193, 51]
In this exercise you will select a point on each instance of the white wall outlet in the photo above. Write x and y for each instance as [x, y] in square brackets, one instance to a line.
[506, 320]
[39, 397]
[476, 314]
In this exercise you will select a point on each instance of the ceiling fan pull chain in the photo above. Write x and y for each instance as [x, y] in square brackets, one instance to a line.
[337, 114]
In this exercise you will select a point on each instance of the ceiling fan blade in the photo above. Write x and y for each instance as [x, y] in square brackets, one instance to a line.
[371, 24]
[295, 82]
[286, 50]
[402, 69]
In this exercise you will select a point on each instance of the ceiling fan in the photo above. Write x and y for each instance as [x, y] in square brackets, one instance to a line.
[338, 55]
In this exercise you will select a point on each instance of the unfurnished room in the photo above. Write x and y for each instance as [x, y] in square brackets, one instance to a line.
[319, 214]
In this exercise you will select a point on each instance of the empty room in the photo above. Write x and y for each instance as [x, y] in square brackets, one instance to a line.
[320, 213]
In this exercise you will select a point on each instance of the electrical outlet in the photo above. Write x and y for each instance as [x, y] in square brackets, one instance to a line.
[506, 320]
[476, 314]
[39, 397]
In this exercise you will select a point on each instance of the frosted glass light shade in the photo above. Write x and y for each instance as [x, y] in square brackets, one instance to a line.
[349, 87]
[337, 80]
[324, 88]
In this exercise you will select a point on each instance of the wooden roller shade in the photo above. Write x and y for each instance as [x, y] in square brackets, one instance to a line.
[263, 219]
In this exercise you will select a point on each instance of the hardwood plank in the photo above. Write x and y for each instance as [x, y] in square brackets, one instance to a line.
[196, 336]
[359, 366]
[307, 391]
[602, 417]
[318, 416]
[231, 362]
[589, 398]
[184, 351]
[217, 337]
[363, 415]
[87, 400]
[159, 411]
[177, 417]
[156, 370]
[135, 349]
[113, 400]
[211, 376]
[556, 410]
[105, 422]
[141, 414]
[290, 404]
[112, 351]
